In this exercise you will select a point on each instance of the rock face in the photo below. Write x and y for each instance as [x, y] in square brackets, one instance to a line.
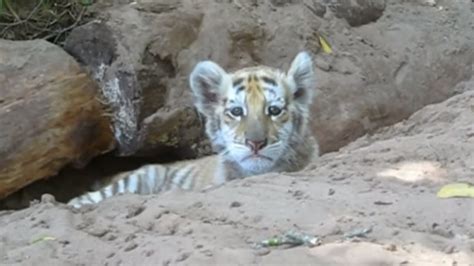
[133, 57]
[387, 63]
[50, 114]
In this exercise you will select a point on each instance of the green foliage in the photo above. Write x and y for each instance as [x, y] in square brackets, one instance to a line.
[2, 7]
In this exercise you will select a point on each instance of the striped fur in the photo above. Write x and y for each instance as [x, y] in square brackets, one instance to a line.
[257, 121]
[153, 179]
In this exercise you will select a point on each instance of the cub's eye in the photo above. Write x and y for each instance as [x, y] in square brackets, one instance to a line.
[237, 111]
[274, 110]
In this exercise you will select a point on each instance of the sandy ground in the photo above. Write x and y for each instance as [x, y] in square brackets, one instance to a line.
[387, 181]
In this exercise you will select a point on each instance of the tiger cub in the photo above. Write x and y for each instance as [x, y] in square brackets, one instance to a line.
[256, 119]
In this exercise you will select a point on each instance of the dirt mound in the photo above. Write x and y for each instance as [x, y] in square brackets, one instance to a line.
[387, 182]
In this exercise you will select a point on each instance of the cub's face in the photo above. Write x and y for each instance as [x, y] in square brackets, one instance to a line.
[252, 113]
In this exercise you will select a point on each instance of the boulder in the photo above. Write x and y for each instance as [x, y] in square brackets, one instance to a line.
[386, 63]
[50, 114]
[132, 56]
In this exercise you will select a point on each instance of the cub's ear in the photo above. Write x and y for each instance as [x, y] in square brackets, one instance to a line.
[207, 81]
[301, 78]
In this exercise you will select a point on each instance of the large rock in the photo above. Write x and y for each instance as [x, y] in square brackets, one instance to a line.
[381, 71]
[132, 56]
[50, 114]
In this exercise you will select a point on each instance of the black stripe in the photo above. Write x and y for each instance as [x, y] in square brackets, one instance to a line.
[169, 180]
[126, 183]
[186, 176]
[158, 189]
[115, 188]
[269, 81]
[139, 184]
[240, 88]
[237, 82]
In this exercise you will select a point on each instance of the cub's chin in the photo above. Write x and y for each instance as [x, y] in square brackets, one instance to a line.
[257, 164]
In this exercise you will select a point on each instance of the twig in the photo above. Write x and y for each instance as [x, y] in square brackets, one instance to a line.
[9, 25]
[53, 24]
[59, 33]
[11, 10]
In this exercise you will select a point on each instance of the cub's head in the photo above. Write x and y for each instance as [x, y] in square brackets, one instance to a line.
[255, 115]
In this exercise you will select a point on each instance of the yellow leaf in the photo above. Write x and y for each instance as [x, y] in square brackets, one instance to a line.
[325, 45]
[456, 190]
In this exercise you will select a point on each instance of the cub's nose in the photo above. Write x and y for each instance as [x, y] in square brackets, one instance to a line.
[256, 145]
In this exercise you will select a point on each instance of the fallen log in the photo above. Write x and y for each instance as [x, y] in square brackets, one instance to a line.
[50, 114]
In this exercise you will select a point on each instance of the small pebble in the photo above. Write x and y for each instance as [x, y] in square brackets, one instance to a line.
[98, 232]
[449, 249]
[130, 237]
[111, 237]
[188, 231]
[379, 202]
[47, 198]
[134, 210]
[183, 256]
[131, 246]
[64, 242]
[323, 65]
[262, 251]
[235, 204]
[207, 252]
[298, 194]
[391, 247]
[331, 192]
